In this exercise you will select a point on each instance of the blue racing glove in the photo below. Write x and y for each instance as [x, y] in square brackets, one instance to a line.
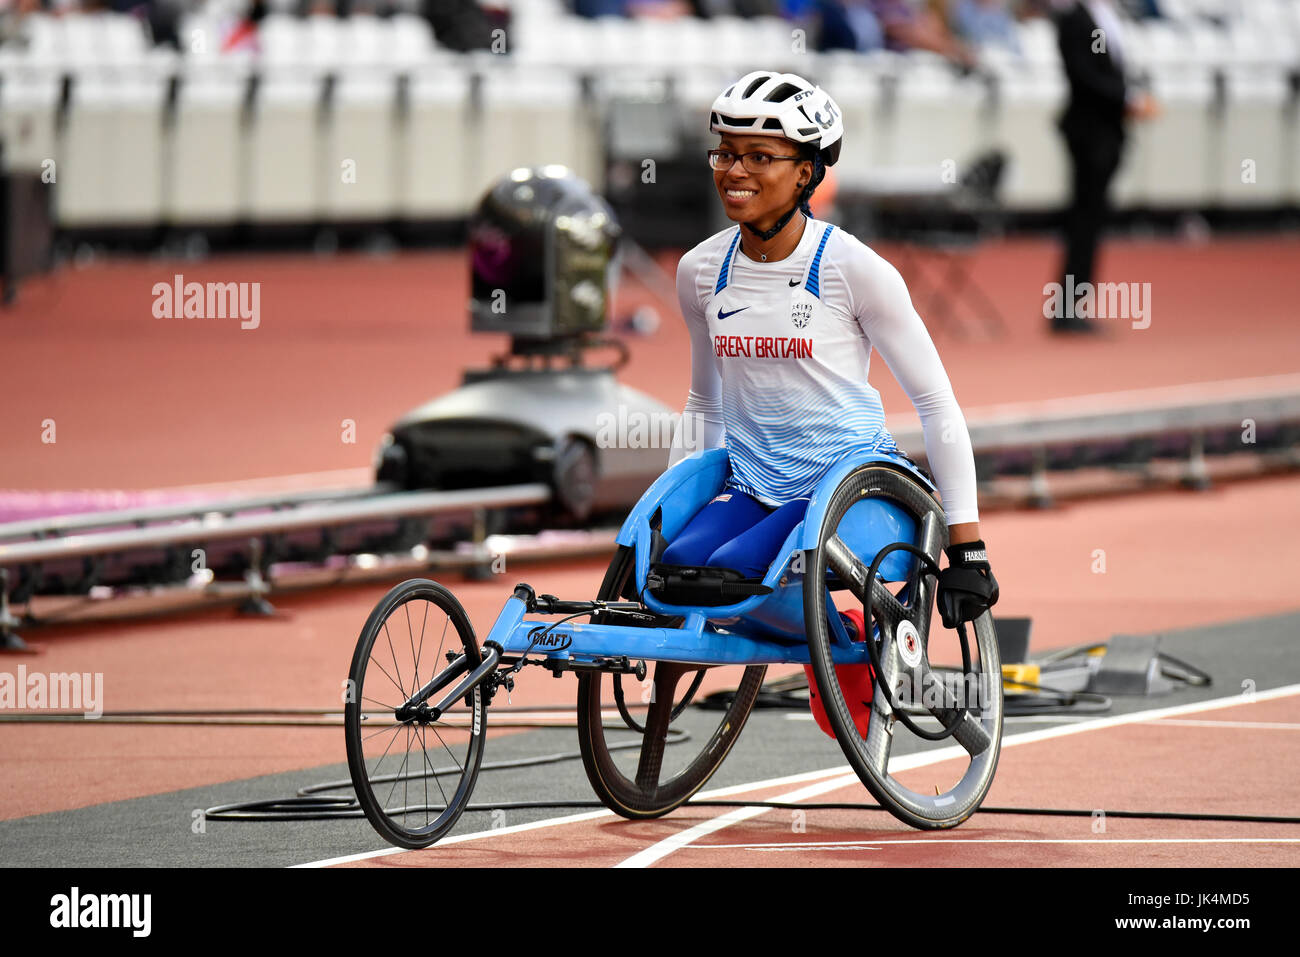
[967, 587]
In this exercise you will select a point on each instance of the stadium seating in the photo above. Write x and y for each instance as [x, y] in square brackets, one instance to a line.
[211, 135]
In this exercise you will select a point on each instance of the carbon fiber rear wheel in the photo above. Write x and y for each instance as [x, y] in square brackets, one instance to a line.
[904, 643]
[650, 778]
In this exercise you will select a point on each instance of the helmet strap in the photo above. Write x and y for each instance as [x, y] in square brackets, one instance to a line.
[766, 234]
[819, 171]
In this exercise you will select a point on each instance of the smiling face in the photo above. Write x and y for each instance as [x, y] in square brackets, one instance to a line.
[760, 198]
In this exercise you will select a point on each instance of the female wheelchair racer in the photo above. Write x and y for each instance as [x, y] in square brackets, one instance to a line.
[415, 743]
[732, 558]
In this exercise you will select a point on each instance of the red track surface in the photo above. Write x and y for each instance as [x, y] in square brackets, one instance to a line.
[142, 403]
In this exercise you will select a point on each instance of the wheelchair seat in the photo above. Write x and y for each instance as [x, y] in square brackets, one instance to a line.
[772, 604]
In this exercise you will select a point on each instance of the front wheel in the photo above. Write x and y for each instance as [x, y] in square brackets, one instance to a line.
[413, 771]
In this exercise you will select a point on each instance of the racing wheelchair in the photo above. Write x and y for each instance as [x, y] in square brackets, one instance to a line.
[421, 681]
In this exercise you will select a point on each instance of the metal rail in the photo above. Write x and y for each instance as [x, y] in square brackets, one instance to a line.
[1191, 411]
[1116, 416]
[306, 516]
[53, 525]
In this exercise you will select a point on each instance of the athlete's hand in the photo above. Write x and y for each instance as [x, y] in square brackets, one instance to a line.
[967, 587]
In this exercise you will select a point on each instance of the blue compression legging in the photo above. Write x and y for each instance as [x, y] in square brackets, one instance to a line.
[736, 531]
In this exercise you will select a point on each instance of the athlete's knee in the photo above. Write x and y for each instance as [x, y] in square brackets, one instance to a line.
[736, 554]
[687, 550]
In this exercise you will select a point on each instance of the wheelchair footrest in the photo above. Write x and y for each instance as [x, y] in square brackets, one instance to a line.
[701, 585]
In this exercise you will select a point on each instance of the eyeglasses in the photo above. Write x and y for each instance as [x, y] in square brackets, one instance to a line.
[755, 162]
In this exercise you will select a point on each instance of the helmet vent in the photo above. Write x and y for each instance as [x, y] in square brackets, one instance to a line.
[772, 124]
[782, 93]
[749, 91]
[725, 120]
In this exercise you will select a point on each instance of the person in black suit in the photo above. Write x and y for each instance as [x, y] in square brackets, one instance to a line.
[1090, 38]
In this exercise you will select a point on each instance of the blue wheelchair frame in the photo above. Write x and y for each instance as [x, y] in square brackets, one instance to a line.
[761, 629]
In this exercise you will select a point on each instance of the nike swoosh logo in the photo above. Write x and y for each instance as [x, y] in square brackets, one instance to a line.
[794, 282]
[724, 315]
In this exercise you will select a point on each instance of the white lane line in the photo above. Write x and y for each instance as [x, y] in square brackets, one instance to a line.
[1263, 725]
[665, 847]
[813, 845]
[500, 831]
[843, 772]
[714, 794]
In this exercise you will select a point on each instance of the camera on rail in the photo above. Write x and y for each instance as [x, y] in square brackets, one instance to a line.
[543, 257]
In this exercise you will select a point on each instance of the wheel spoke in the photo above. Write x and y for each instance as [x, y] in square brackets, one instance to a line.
[880, 739]
[395, 729]
[922, 600]
[410, 635]
[417, 654]
[399, 772]
[443, 638]
[657, 720]
[378, 664]
[432, 773]
[394, 654]
[450, 753]
[379, 731]
[970, 734]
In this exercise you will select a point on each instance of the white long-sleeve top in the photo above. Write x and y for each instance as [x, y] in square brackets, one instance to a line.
[780, 353]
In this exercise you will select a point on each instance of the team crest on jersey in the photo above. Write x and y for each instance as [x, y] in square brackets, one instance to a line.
[801, 313]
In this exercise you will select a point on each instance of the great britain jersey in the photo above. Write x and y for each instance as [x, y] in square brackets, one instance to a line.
[780, 354]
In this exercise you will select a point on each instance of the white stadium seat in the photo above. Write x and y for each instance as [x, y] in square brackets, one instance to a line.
[29, 101]
[1168, 160]
[111, 151]
[434, 167]
[859, 89]
[410, 41]
[205, 181]
[936, 118]
[1251, 156]
[359, 155]
[282, 151]
[1024, 128]
[528, 118]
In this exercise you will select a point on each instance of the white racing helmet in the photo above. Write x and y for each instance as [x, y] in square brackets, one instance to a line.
[764, 103]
